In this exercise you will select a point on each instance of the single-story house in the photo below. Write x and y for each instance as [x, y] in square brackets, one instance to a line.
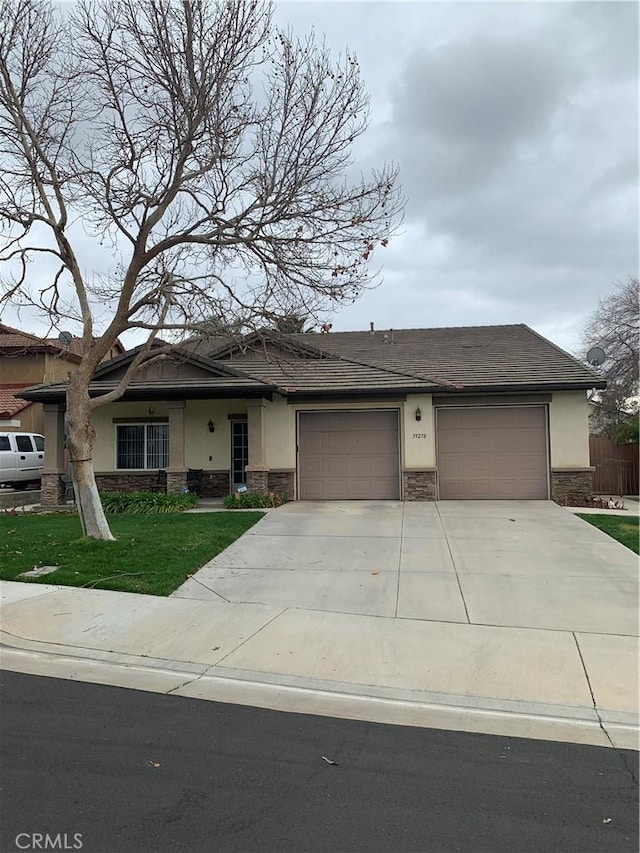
[485, 412]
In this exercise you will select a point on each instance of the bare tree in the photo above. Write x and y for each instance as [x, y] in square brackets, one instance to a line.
[207, 148]
[614, 326]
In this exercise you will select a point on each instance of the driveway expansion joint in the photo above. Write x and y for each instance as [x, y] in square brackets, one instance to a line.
[453, 562]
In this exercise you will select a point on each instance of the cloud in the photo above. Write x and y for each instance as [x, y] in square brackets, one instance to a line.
[517, 148]
[463, 109]
[515, 126]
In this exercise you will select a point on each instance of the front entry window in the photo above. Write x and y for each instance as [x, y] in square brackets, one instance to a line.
[239, 452]
[142, 445]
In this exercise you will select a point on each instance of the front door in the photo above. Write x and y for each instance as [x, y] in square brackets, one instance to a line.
[239, 453]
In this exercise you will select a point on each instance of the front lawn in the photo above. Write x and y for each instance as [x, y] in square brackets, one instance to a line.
[153, 553]
[621, 527]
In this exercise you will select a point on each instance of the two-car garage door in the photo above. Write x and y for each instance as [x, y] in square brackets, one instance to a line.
[495, 453]
[483, 453]
[348, 455]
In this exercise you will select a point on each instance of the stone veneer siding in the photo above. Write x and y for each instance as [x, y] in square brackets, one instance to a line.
[215, 484]
[258, 481]
[52, 490]
[176, 482]
[282, 483]
[571, 485]
[419, 485]
[119, 481]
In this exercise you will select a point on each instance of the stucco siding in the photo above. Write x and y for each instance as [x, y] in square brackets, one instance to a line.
[24, 368]
[569, 429]
[419, 445]
[104, 450]
[280, 428]
[204, 449]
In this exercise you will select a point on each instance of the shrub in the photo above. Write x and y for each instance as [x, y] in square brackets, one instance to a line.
[252, 500]
[143, 503]
[628, 431]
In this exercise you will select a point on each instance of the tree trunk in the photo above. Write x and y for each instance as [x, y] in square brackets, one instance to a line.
[81, 437]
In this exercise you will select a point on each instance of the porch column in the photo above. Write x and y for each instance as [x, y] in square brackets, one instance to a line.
[176, 469]
[52, 487]
[256, 470]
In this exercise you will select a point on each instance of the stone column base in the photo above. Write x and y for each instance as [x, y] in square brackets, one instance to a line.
[257, 481]
[419, 485]
[176, 480]
[571, 484]
[52, 488]
[283, 483]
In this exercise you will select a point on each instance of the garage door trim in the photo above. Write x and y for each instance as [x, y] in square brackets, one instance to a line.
[492, 407]
[370, 409]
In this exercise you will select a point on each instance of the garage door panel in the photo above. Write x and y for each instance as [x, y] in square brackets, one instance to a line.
[348, 455]
[498, 453]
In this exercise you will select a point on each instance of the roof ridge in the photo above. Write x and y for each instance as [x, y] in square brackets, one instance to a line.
[385, 329]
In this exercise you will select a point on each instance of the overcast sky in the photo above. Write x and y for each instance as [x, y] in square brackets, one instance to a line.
[515, 126]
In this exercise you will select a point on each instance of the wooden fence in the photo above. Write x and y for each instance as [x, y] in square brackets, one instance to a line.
[616, 466]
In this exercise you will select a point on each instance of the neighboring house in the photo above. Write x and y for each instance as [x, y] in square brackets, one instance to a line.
[495, 412]
[25, 360]
[18, 415]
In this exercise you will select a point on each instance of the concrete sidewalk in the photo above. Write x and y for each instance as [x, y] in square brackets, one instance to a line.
[513, 618]
[513, 681]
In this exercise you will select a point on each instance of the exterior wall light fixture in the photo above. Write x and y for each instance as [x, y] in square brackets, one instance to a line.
[211, 426]
[418, 414]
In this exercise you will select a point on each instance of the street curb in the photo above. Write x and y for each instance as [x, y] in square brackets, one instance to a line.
[296, 695]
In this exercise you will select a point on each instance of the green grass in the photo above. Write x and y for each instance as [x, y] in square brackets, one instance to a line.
[621, 527]
[153, 554]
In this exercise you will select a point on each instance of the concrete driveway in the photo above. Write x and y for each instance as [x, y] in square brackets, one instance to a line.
[525, 564]
[508, 618]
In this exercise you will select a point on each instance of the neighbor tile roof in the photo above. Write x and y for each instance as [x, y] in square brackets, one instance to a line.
[15, 341]
[10, 405]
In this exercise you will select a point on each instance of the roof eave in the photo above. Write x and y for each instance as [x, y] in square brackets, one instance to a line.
[341, 393]
[354, 393]
[48, 394]
[39, 349]
[518, 387]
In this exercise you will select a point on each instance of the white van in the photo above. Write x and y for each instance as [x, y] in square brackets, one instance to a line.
[21, 458]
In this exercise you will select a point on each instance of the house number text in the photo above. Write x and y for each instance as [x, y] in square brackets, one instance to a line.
[419, 435]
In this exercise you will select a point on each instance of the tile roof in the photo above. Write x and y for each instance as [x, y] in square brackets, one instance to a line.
[331, 374]
[471, 356]
[15, 341]
[442, 360]
[448, 359]
[10, 405]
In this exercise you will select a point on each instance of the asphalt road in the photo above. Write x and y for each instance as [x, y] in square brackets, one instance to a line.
[132, 772]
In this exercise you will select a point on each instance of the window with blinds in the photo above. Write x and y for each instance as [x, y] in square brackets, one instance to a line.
[142, 446]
